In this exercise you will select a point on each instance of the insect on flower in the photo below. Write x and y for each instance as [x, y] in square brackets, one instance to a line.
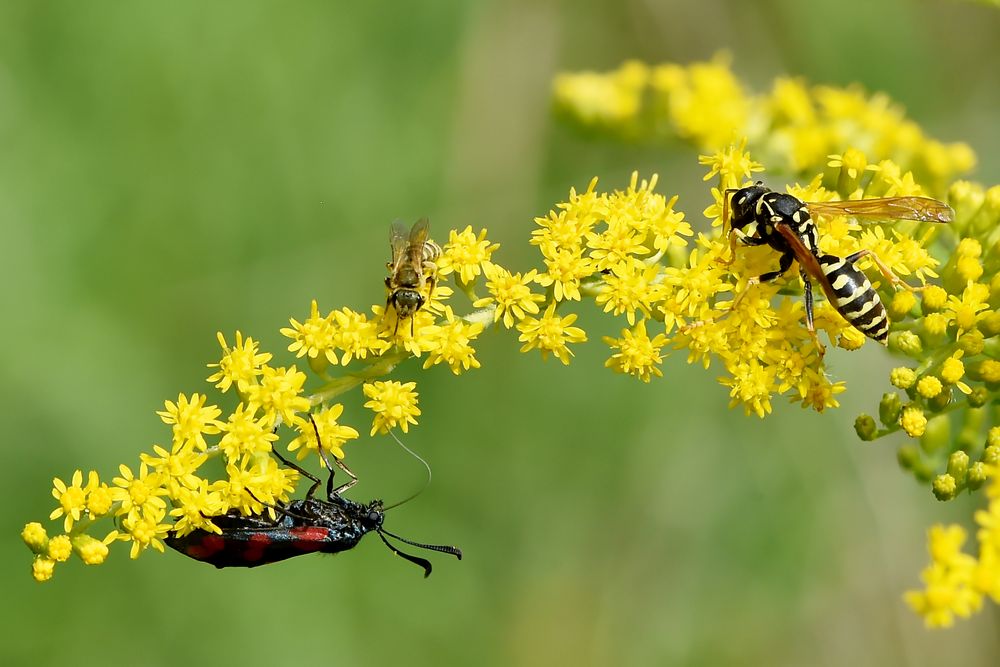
[762, 216]
[299, 527]
[411, 268]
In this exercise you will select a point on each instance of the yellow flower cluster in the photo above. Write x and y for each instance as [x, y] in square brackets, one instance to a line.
[793, 127]
[634, 254]
[956, 582]
[170, 494]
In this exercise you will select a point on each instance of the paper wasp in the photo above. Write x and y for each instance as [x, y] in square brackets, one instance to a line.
[411, 268]
[758, 215]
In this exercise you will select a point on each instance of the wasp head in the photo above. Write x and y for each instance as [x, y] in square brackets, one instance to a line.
[743, 205]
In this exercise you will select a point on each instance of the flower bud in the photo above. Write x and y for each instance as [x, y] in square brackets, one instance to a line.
[908, 457]
[889, 407]
[976, 476]
[906, 342]
[945, 487]
[958, 466]
[934, 298]
[935, 434]
[35, 537]
[865, 427]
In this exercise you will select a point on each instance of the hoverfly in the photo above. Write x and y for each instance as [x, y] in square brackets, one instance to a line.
[761, 216]
[411, 268]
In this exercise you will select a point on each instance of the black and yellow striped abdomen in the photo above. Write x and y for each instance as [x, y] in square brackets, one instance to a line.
[852, 294]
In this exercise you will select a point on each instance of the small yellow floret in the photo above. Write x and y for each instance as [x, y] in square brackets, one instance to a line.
[913, 421]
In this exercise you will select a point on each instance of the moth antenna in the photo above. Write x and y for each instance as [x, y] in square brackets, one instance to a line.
[454, 551]
[427, 467]
[422, 562]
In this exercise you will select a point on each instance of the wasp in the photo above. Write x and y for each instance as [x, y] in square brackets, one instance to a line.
[411, 268]
[296, 528]
[761, 216]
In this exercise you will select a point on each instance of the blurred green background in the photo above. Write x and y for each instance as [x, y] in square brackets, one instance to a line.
[168, 170]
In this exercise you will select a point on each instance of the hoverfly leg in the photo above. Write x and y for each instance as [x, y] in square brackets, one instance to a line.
[884, 270]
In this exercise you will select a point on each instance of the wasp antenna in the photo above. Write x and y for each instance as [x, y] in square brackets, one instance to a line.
[427, 467]
[422, 562]
[454, 551]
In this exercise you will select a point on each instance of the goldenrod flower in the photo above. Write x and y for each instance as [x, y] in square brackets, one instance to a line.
[239, 365]
[42, 568]
[72, 499]
[465, 254]
[637, 354]
[929, 386]
[60, 548]
[453, 338]
[91, 550]
[356, 336]
[144, 529]
[550, 333]
[195, 509]
[279, 394]
[394, 404]
[313, 337]
[332, 434]
[177, 467]
[137, 494]
[191, 420]
[913, 421]
[35, 537]
[243, 433]
[99, 496]
[510, 293]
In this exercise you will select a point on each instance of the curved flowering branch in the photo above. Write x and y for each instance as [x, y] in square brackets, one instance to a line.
[634, 256]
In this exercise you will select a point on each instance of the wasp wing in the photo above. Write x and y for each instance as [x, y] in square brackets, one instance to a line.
[806, 259]
[922, 209]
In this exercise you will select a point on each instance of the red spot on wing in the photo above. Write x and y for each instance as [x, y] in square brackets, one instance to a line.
[206, 548]
[256, 547]
[309, 538]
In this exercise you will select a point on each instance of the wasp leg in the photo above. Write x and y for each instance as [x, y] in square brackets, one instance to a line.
[784, 263]
[884, 270]
[807, 293]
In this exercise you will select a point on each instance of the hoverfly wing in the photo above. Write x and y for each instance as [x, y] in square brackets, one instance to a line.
[921, 209]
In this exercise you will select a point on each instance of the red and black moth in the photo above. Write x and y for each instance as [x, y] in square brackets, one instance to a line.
[299, 527]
